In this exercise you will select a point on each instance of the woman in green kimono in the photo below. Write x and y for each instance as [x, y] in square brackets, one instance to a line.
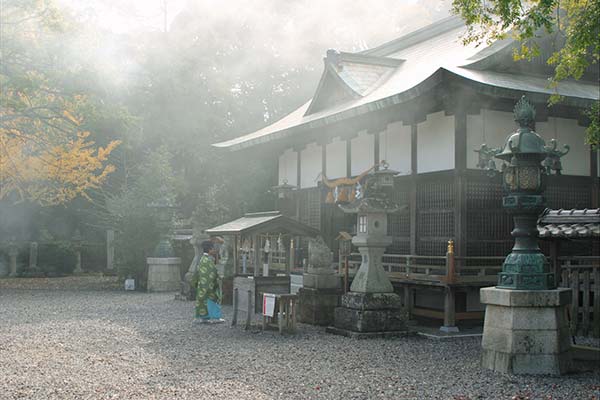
[208, 293]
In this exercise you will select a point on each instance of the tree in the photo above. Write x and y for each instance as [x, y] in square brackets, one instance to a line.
[46, 153]
[576, 24]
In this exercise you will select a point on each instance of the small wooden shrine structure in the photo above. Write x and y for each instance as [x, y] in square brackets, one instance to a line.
[263, 256]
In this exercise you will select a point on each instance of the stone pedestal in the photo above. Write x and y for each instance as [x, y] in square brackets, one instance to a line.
[78, 269]
[319, 297]
[321, 289]
[163, 274]
[526, 331]
[370, 315]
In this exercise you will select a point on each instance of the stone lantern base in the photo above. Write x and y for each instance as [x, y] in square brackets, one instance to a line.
[370, 315]
[163, 274]
[526, 331]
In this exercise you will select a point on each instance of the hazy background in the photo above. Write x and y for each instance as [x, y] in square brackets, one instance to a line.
[168, 87]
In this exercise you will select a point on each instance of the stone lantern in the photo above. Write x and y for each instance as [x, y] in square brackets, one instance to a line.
[371, 308]
[164, 208]
[163, 267]
[525, 329]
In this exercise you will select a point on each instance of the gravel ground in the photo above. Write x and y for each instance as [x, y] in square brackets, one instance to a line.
[59, 344]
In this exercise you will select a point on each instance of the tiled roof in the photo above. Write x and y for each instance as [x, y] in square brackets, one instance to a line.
[405, 68]
[569, 224]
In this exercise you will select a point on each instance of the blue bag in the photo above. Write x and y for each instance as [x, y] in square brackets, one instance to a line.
[214, 309]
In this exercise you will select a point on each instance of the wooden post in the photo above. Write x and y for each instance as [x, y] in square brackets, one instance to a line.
[575, 304]
[235, 255]
[235, 307]
[292, 254]
[110, 249]
[250, 311]
[348, 158]
[460, 184]
[449, 311]
[596, 328]
[554, 260]
[408, 300]
[413, 189]
[257, 260]
[450, 266]
[585, 320]
[595, 187]
[346, 274]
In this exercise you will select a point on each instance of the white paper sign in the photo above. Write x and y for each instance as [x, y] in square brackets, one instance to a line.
[129, 284]
[268, 304]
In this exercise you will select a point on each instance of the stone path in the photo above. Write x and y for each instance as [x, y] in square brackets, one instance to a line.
[59, 344]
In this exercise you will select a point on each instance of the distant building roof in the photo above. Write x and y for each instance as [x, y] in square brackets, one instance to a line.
[569, 224]
[265, 222]
[400, 70]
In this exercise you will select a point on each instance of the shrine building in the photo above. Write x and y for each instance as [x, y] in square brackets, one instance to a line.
[424, 103]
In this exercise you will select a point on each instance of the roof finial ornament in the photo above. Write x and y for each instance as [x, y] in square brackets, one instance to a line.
[524, 113]
[334, 58]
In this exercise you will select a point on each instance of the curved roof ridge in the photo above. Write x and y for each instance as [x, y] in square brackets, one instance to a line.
[414, 37]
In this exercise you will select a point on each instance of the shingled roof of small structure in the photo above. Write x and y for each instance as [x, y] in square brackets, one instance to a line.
[569, 224]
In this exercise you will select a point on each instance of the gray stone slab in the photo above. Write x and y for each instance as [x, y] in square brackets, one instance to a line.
[525, 298]
[317, 281]
[371, 301]
[316, 307]
[370, 320]
[368, 335]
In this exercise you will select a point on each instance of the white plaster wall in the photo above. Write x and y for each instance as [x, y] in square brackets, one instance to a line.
[566, 131]
[336, 158]
[394, 147]
[435, 143]
[288, 167]
[363, 153]
[488, 127]
[311, 165]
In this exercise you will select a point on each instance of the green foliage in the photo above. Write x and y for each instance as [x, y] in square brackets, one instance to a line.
[593, 131]
[55, 258]
[574, 23]
[137, 224]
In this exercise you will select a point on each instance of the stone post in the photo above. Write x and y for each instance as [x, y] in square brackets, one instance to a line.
[110, 249]
[33, 256]
[77, 242]
[13, 252]
[321, 289]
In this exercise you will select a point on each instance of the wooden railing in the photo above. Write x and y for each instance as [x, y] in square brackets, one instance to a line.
[446, 269]
[582, 275]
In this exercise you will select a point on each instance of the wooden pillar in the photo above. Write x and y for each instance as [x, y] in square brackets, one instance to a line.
[460, 184]
[449, 310]
[257, 260]
[348, 157]
[324, 158]
[376, 156]
[408, 299]
[554, 250]
[299, 169]
[595, 186]
[413, 188]
[235, 255]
